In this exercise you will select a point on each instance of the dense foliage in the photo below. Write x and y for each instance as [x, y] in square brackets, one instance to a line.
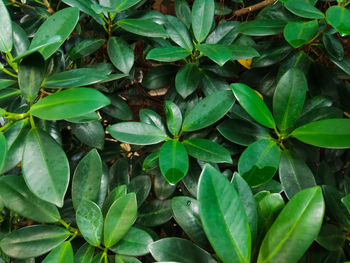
[174, 131]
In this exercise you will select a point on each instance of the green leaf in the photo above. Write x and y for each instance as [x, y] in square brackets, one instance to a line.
[3, 150]
[179, 250]
[90, 222]
[8, 95]
[289, 97]
[168, 54]
[84, 254]
[331, 237]
[261, 27]
[69, 104]
[242, 132]
[74, 78]
[61, 254]
[187, 80]
[122, 5]
[208, 151]
[178, 32]
[224, 34]
[121, 54]
[295, 175]
[118, 109]
[202, 18]
[186, 214]
[119, 173]
[134, 243]
[85, 48]
[151, 117]
[223, 217]
[125, 259]
[208, 111]
[299, 33]
[173, 117]
[119, 219]
[31, 72]
[155, 213]
[45, 167]
[112, 197]
[243, 52]
[248, 201]
[162, 188]
[6, 35]
[346, 201]
[141, 186]
[295, 228]
[137, 133]
[220, 54]
[259, 162]
[303, 9]
[60, 24]
[339, 18]
[17, 197]
[159, 77]
[151, 161]
[275, 53]
[85, 6]
[87, 178]
[183, 12]
[332, 133]
[33, 241]
[5, 83]
[333, 46]
[173, 161]
[143, 27]
[85, 118]
[253, 104]
[90, 133]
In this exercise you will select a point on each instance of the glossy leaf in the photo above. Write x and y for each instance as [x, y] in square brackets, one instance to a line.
[85, 6]
[173, 161]
[331, 237]
[253, 104]
[119, 219]
[339, 18]
[202, 18]
[45, 167]
[289, 97]
[261, 27]
[332, 133]
[85, 48]
[151, 117]
[183, 12]
[16, 196]
[243, 52]
[134, 243]
[295, 228]
[173, 117]
[186, 214]
[122, 5]
[84, 254]
[61, 254]
[155, 213]
[299, 33]
[141, 186]
[6, 36]
[259, 162]
[168, 54]
[69, 103]
[33, 241]
[90, 222]
[242, 132]
[121, 54]
[3, 150]
[179, 250]
[208, 151]
[59, 24]
[90, 133]
[74, 78]
[224, 34]
[187, 80]
[31, 72]
[126, 259]
[162, 188]
[137, 133]
[158, 77]
[118, 108]
[208, 111]
[223, 217]
[87, 178]
[303, 9]
[178, 32]
[143, 27]
[295, 175]
[333, 46]
[112, 197]
[220, 54]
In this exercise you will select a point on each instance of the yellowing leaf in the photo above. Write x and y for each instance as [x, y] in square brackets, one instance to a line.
[245, 62]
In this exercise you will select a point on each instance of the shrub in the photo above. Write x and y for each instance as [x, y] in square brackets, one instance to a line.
[176, 131]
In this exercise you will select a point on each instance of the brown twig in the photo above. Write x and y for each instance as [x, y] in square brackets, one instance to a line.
[22, 5]
[252, 8]
[49, 9]
[318, 34]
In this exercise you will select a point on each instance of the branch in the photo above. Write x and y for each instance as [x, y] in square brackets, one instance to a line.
[252, 8]
[49, 9]
[22, 5]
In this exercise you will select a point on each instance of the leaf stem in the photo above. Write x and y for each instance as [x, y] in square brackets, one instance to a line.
[7, 125]
[9, 73]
